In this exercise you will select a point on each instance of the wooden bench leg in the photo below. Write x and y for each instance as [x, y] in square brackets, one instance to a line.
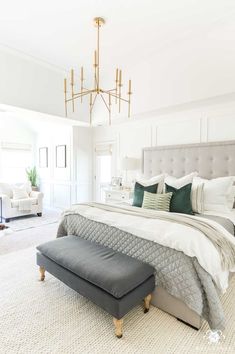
[118, 327]
[42, 273]
[147, 300]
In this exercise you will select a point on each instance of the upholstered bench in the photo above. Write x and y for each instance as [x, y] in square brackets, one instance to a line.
[110, 279]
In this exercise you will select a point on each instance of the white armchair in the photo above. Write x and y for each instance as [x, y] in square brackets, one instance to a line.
[10, 206]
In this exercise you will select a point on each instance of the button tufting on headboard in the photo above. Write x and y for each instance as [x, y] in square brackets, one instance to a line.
[211, 160]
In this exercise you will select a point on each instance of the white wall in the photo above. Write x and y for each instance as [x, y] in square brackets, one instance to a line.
[203, 123]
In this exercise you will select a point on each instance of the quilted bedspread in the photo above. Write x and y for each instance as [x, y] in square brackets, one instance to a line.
[180, 275]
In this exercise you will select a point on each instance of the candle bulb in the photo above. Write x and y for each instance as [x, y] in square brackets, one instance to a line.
[65, 85]
[72, 77]
[129, 87]
[82, 74]
[116, 75]
[90, 99]
[95, 58]
[120, 78]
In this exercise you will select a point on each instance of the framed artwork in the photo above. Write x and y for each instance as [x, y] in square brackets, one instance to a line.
[43, 157]
[61, 156]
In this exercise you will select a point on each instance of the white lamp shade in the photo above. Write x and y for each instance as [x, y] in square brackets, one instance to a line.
[130, 164]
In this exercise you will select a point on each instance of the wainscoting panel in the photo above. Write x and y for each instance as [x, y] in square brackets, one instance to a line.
[45, 188]
[202, 123]
[133, 137]
[178, 132]
[61, 195]
[221, 127]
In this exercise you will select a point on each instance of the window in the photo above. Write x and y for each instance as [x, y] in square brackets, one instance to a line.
[14, 164]
[104, 161]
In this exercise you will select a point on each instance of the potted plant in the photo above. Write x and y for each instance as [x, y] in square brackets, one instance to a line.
[33, 177]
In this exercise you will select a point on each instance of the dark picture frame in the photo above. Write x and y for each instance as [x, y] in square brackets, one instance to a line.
[43, 157]
[61, 156]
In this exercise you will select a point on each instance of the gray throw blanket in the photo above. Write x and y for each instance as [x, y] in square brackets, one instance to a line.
[180, 275]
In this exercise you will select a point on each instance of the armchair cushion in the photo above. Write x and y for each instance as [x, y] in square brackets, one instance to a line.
[19, 193]
[15, 203]
[35, 194]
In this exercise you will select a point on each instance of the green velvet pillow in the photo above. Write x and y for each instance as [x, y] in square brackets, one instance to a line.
[181, 199]
[139, 193]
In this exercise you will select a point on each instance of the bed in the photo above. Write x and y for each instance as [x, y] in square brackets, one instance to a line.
[211, 160]
[188, 298]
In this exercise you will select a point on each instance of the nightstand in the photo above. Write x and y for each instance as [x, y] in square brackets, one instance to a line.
[113, 196]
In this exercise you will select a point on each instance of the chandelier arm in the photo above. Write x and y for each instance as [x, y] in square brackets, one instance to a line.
[93, 102]
[86, 89]
[112, 94]
[78, 95]
[104, 102]
[83, 93]
[110, 90]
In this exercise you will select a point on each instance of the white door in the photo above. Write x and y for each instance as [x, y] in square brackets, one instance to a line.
[103, 170]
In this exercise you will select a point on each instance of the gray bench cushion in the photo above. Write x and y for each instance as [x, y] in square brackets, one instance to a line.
[112, 271]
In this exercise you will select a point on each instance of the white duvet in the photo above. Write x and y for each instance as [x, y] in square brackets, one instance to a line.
[191, 242]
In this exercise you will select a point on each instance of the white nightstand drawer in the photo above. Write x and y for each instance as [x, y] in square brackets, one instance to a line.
[117, 196]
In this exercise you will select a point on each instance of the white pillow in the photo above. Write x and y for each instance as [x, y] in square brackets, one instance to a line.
[180, 182]
[216, 193]
[197, 196]
[231, 198]
[19, 193]
[153, 180]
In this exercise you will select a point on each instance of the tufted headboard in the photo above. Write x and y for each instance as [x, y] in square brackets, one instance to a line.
[210, 160]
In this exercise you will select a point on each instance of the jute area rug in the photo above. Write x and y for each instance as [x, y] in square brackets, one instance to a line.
[48, 317]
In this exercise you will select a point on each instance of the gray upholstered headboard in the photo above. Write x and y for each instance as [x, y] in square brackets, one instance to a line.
[211, 160]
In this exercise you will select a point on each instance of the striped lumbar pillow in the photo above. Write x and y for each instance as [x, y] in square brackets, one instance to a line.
[157, 201]
[197, 197]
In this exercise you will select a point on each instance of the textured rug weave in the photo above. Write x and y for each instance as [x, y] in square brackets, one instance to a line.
[32, 221]
[48, 317]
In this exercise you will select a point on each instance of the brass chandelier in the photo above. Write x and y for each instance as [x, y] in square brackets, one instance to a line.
[107, 96]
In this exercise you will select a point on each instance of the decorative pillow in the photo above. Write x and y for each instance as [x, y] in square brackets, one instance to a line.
[139, 193]
[180, 182]
[19, 193]
[153, 180]
[157, 201]
[180, 201]
[159, 179]
[197, 196]
[216, 193]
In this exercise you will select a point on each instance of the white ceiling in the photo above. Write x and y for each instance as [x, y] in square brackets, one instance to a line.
[61, 32]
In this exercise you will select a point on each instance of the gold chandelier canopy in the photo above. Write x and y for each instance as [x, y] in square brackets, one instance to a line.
[107, 96]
